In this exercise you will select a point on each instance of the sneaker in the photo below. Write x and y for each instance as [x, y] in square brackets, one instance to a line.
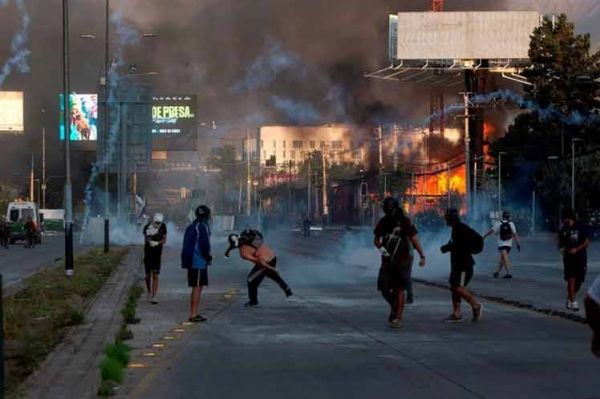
[453, 319]
[495, 274]
[575, 306]
[569, 305]
[410, 300]
[154, 301]
[478, 313]
[395, 323]
[251, 304]
[507, 276]
[288, 292]
[197, 319]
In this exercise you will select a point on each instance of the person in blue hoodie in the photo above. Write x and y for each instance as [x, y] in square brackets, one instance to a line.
[196, 257]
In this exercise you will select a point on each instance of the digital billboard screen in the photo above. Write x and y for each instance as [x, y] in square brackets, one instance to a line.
[173, 114]
[84, 117]
[11, 112]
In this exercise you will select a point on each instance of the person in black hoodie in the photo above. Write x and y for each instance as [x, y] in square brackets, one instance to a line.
[461, 267]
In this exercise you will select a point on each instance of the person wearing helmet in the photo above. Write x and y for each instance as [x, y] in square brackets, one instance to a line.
[395, 237]
[461, 265]
[155, 237]
[506, 231]
[196, 257]
[253, 249]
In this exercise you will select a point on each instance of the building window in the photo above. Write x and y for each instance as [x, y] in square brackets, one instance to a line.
[313, 144]
[298, 144]
[337, 144]
[322, 144]
[274, 143]
[293, 154]
[283, 154]
[262, 144]
[283, 143]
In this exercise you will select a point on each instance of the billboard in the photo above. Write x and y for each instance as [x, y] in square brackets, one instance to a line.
[491, 35]
[84, 117]
[11, 112]
[173, 114]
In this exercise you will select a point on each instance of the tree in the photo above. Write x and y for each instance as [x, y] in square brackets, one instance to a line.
[561, 104]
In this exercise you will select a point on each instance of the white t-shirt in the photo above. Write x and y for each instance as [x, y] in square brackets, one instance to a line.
[504, 243]
[594, 291]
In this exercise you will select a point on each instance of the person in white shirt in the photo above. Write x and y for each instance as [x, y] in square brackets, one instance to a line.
[592, 313]
[507, 232]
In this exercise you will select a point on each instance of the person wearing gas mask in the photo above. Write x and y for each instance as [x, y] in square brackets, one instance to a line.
[196, 257]
[155, 237]
[395, 237]
[253, 249]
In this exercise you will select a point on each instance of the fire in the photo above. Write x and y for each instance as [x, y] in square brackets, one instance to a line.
[437, 184]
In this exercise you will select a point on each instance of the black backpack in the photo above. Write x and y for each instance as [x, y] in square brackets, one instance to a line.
[505, 231]
[475, 242]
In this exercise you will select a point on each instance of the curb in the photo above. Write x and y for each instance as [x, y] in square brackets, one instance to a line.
[71, 370]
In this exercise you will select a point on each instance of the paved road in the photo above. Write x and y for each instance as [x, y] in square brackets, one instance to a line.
[331, 340]
[19, 262]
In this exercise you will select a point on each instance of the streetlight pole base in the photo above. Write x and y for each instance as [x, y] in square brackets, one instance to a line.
[106, 235]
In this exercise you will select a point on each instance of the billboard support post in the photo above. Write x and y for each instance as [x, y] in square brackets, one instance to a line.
[467, 152]
[44, 187]
[68, 197]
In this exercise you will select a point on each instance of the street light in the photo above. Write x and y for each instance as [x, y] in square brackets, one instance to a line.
[500, 180]
[556, 158]
[68, 196]
[573, 141]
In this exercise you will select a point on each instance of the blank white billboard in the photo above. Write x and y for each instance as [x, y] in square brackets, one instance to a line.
[478, 35]
[11, 112]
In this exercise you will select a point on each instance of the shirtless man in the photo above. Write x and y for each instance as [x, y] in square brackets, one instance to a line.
[253, 249]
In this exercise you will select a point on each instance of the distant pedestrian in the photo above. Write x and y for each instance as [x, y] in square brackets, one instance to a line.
[464, 242]
[30, 233]
[155, 237]
[573, 243]
[506, 231]
[306, 226]
[253, 249]
[592, 314]
[196, 257]
[395, 237]
[4, 232]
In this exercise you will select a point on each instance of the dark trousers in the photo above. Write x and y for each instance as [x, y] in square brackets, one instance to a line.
[30, 241]
[4, 240]
[258, 274]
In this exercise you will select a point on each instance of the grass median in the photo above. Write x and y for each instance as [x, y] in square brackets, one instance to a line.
[37, 317]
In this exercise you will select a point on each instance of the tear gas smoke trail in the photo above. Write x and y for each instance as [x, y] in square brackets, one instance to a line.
[300, 112]
[125, 36]
[19, 53]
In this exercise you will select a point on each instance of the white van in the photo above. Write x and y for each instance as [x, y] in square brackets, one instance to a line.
[18, 213]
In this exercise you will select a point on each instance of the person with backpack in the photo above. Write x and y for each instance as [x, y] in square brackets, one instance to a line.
[573, 242]
[253, 249]
[506, 231]
[155, 237]
[196, 257]
[395, 237]
[464, 243]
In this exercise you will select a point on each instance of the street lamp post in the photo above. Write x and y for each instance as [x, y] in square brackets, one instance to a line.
[573, 141]
[68, 195]
[500, 181]
[555, 158]
[106, 132]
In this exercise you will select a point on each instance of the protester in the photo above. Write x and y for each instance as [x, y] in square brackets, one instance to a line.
[196, 257]
[30, 233]
[4, 232]
[592, 314]
[506, 231]
[253, 249]
[306, 226]
[464, 242]
[155, 237]
[395, 237]
[573, 243]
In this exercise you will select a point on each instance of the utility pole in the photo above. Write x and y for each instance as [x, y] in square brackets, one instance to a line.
[448, 186]
[395, 148]
[500, 181]
[309, 198]
[32, 180]
[43, 199]
[106, 130]
[325, 200]
[380, 140]
[68, 195]
[467, 151]
[248, 176]
[573, 141]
